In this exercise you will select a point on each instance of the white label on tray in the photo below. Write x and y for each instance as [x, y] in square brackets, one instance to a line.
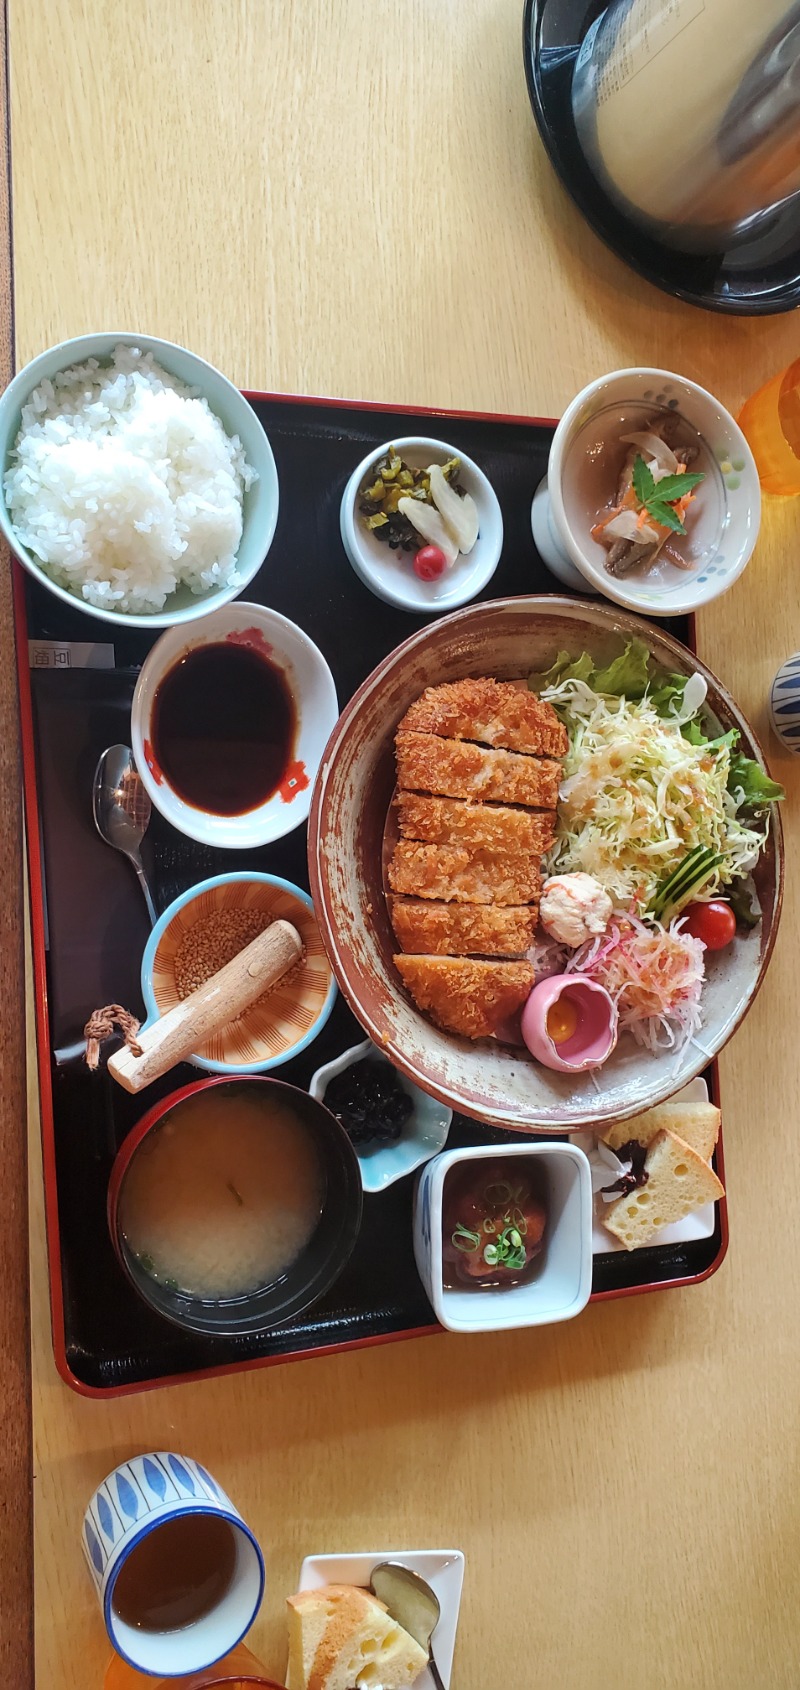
[70, 654]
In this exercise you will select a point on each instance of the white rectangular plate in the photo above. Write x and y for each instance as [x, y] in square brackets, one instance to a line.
[443, 1569]
[698, 1225]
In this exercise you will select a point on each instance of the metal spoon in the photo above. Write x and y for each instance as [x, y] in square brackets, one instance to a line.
[122, 810]
[412, 1603]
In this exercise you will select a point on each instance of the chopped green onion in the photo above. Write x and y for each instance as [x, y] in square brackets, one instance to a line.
[498, 1194]
[465, 1240]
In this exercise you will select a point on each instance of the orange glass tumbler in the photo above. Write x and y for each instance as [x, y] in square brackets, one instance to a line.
[237, 1671]
[771, 422]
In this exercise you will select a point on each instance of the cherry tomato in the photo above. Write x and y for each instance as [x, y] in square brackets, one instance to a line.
[714, 924]
[429, 563]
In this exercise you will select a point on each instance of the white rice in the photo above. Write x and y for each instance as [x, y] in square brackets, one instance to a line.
[124, 484]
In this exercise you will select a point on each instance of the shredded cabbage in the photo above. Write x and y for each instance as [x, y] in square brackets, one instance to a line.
[655, 976]
[638, 794]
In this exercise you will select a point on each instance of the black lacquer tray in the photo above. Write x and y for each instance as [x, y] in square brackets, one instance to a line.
[90, 925]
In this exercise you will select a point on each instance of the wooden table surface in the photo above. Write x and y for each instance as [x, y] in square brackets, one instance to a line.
[346, 198]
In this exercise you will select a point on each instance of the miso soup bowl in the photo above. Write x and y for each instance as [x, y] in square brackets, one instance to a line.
[312, 687]
[316, 1268]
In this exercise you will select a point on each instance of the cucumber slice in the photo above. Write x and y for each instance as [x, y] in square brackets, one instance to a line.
[684, 882]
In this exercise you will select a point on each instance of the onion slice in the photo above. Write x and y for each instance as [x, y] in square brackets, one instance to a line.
[654, 447]
[626, 526]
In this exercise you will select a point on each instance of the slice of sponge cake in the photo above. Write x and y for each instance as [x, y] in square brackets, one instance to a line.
[343, 1638]
[678, 1181]
[696, 1123]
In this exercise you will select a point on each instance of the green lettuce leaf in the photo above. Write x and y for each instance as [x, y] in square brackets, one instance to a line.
[743, 903]
[565, 668]
[748, 778]
[666, 693]
[695, 735]
[629, 673]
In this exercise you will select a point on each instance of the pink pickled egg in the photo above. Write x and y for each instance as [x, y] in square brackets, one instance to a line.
[570, 1023]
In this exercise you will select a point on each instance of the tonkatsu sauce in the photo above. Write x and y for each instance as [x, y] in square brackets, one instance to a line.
[223, 728]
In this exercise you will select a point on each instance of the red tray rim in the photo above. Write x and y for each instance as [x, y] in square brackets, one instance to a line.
[42, 1023]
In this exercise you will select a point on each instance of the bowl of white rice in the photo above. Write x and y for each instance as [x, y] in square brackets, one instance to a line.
[138, 482]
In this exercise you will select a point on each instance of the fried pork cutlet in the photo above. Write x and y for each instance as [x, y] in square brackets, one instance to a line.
[463, 877]
[463, 929]
[463, 996]
[448, 821]
[498, 713]
[452, 768]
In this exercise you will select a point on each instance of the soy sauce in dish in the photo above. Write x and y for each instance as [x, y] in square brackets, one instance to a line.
[223, 727]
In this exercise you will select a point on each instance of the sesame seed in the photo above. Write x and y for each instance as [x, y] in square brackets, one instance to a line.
[214, 941]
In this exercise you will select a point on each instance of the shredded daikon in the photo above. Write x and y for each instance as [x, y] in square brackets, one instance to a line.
[655, 976]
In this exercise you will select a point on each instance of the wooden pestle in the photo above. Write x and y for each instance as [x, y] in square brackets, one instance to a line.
[224, 996]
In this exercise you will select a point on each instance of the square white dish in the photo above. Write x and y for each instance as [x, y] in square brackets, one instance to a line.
[443, 1569]
[562, 1287]
[700, 1224]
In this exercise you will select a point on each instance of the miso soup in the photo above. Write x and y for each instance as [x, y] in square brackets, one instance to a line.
[223, 1195]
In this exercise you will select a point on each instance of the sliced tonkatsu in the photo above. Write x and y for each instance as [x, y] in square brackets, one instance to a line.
[464, 877]
[454, 768]
[464, 996]
[478, 778]
[437, 929]
[490, 827]
[497, 713]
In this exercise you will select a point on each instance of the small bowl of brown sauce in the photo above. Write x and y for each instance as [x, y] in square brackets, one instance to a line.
[503, 1235]
[229, 721]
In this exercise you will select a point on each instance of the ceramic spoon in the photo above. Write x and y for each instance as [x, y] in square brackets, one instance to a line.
[412, 1603]
[122, 810]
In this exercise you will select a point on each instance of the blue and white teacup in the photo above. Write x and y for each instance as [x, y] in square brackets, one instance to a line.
[784, 704]
[141, 1495]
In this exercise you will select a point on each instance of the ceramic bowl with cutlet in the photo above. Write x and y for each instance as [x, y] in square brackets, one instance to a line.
[430, 818]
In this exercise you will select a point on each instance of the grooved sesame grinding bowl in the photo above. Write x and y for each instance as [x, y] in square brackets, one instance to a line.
[201, 930]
